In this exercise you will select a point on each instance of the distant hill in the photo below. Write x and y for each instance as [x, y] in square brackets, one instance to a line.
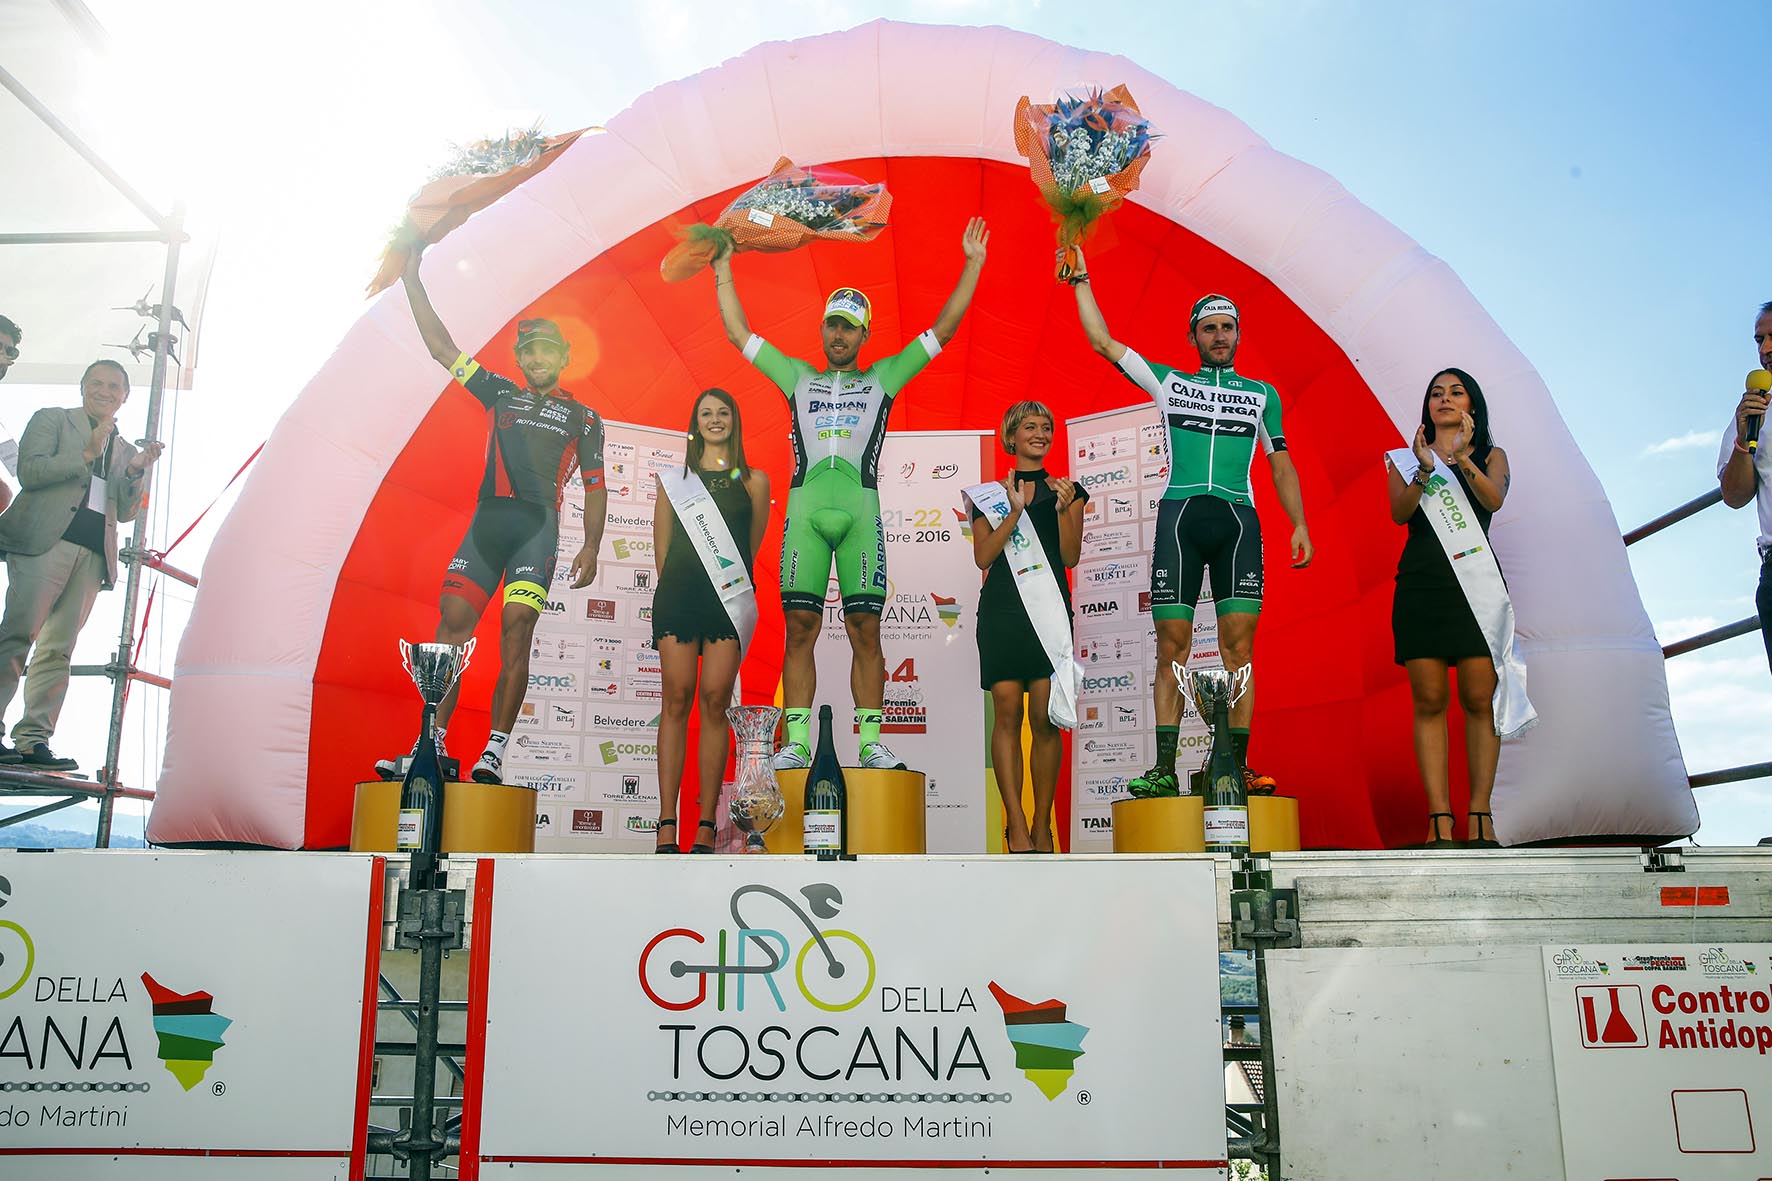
[31, 835]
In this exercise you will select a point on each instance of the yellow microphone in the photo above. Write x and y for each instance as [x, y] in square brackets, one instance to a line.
[1759, 382]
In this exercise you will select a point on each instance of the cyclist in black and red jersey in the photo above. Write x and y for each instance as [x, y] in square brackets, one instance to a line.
[535, 431]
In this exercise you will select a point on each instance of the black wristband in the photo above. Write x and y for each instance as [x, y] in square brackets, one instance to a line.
[1078, 279]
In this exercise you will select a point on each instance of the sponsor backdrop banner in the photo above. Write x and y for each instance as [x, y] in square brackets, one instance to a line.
[1122, 457]
[586, 738]
[587, 735]
[934, 713]
[163, 1003]
[768, 1012]
[1664, 1059]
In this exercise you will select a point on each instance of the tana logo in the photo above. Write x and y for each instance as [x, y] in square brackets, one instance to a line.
[189, 1030]
[947, 609]
[833, 969]
[1047, 1044]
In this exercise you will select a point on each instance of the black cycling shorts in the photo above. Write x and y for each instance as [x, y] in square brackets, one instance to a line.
[511, 541]
[1205, 533]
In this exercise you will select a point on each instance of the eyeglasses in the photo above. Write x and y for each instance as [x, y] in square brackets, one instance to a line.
[9, 351]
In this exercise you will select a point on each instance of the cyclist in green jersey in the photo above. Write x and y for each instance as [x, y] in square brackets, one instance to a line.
[1216, 419]
[833, 512]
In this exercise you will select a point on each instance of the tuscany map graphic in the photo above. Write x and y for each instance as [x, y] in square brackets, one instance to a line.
[189, 1029]
[1047, 1045]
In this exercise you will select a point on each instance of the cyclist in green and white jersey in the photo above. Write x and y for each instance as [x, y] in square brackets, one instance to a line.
[833, 512]
[1217, 418]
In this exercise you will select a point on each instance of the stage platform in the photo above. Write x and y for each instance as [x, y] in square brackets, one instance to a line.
[1415, 1013]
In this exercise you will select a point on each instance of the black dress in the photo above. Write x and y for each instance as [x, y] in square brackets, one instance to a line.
[1430, 618]
[685, 606]
[1008, 647]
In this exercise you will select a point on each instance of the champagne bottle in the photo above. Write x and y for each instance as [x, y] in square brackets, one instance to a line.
[826, 807]
[1226, 802]
[421, 805]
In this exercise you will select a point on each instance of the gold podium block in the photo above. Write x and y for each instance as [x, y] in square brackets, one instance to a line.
[1176, 824]
[886, 812]
[477, 818]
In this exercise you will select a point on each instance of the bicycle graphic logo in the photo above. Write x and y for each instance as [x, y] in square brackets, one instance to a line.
[17, 953]
[826, 968]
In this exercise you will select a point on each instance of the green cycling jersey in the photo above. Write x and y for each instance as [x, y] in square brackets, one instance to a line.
[1216, 419]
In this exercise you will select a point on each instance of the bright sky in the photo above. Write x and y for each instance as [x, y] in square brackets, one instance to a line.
[1596, 173]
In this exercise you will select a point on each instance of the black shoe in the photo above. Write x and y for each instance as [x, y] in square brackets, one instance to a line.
[706, 846]
[8, 755]
[44, 759]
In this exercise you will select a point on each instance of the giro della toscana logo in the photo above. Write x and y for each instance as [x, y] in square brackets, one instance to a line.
[791, 998]
[61, 1023]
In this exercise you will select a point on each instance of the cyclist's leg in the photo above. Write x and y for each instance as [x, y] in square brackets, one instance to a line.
[528, 573]
[468, 585]
[805, 576]
[861, 575]
[1238, 599]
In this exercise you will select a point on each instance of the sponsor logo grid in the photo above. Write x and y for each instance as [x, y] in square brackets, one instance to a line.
[1123, 459]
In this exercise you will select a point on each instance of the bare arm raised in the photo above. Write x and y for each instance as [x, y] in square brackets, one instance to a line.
[972, 245]
[732, 317]
[430, 325]
[1094, 323]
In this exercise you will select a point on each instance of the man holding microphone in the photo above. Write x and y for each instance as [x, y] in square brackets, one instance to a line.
[1744, 469]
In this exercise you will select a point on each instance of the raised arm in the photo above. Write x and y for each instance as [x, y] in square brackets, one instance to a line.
[1089, 312]
[732, 317]
[430, 325]
[1736, 475]
[972, 245]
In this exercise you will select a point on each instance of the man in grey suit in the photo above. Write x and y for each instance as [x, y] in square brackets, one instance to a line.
[78, 478]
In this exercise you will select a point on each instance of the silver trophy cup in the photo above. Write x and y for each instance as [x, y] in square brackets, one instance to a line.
[435, 668]
[756, 796]
[1204, 688]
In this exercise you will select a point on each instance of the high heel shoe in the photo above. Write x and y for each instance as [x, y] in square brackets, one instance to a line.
[672, 847]
[706, 846]
[1476, 838]
[1017, 852]
[1437, 841]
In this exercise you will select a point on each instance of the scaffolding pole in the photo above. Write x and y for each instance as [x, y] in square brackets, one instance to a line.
[122, 668]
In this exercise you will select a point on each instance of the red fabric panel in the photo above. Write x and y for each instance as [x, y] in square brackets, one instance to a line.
[1332, 715]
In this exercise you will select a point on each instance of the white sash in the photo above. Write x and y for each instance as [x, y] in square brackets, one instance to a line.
[719, 553]
[1479, 577]
[1040, 597]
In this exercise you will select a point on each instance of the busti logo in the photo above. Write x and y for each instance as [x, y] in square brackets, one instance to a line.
[189, 1030]
[1047, 1044]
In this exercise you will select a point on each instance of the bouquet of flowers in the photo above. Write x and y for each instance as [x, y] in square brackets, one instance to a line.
[786, 209]
[478, 175]
[1085, 155]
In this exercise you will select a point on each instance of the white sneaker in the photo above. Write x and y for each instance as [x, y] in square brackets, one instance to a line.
[877, 756]
[490, 768]
[390, 768]
[792, 757]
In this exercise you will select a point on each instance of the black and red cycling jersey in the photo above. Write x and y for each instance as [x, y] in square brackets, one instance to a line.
[533, 437]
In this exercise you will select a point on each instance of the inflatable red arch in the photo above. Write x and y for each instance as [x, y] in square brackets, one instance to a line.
[288, 686]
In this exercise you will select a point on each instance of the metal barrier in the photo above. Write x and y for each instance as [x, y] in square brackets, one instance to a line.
[1716, 635]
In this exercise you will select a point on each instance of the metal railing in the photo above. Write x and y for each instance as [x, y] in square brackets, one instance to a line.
[1702, 640]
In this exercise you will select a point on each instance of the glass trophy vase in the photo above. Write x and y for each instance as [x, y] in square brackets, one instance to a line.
[756, 797]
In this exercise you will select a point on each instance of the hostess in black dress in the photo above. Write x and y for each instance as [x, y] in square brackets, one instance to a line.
[685, 606]
[1430, 618]
[1008, 647]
